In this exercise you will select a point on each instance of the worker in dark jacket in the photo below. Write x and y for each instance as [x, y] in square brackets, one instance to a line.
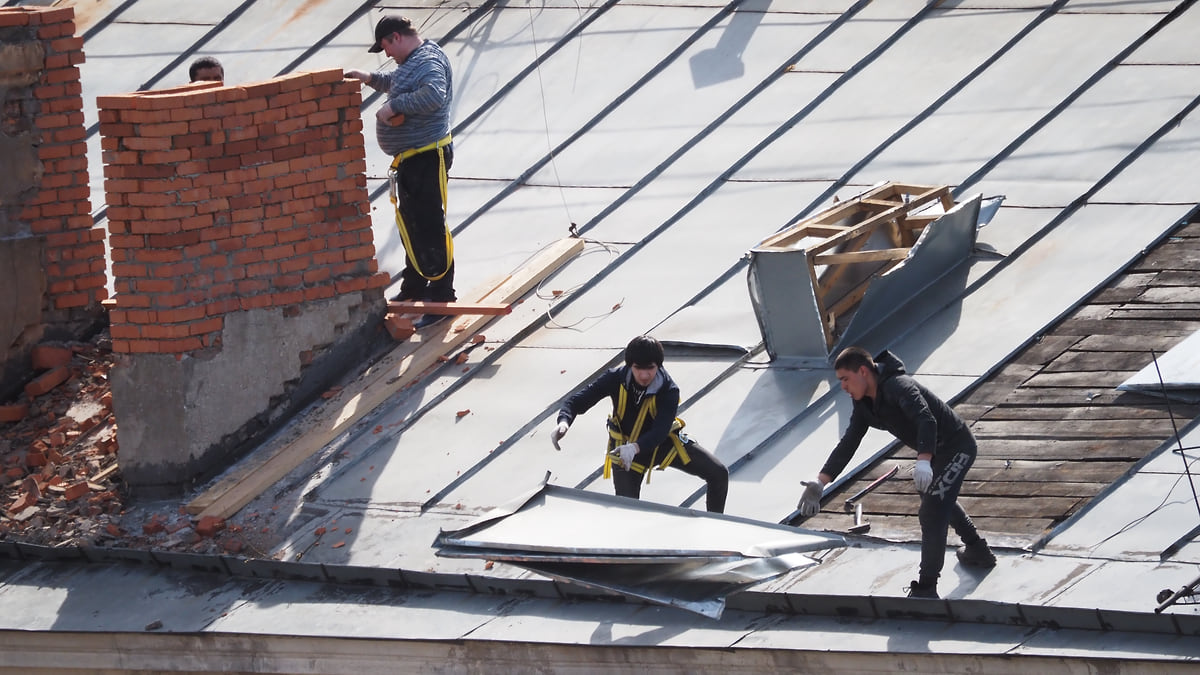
[643, 432]
[885, 397]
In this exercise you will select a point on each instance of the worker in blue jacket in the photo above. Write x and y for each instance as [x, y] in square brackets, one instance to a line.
[643, 431]
[885, 397]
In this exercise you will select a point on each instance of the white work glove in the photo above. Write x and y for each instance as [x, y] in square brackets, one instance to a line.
[922, 475]
[558, 433]
[626, 453]
[810, 501]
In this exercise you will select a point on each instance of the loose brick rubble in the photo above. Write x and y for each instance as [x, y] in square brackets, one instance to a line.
[61, 482]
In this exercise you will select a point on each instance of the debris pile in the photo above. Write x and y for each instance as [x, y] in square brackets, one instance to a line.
[58, 450]
[61, 482]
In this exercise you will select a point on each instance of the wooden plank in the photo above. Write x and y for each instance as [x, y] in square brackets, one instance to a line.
[1078, 361]
[421, 307]
[863, 228]
[1015, 506]
[873, 255]
[1045, 350]
[1054, 489]
[1160, 428]
[285, 452]
[1178, 278]
[1023, 470]
[1065, 449]
[1067, 396]
[1135, 328]
[1091, 379]
[1029, 527]
[1152, 313]
[1108, 413]
[1127, 343]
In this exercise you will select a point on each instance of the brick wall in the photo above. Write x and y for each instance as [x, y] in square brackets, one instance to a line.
[231, 198]
[45, 212]
[243, 264]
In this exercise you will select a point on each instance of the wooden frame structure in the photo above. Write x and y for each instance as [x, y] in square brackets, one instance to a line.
[834, 243]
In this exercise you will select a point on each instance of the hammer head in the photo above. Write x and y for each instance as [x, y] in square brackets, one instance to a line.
[861, 528]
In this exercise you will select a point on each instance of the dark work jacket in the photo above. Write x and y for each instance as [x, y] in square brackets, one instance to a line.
[903, 407]
[654, 429]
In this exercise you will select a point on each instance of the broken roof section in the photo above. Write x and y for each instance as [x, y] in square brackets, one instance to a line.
[664, 554]
[1174, 375]
[830, 279]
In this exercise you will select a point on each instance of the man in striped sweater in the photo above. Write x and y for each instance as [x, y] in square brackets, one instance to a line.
[413, 127]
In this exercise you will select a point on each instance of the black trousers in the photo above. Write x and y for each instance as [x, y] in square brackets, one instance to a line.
[419, 199]
[940, 509]
[703, 465]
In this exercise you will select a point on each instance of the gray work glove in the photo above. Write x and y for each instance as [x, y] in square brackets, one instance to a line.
[810, 501]
[626, 452]
[922, 475]
[558, 433]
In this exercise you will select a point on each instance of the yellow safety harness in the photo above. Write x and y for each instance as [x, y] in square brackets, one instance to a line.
[404, 236]
[616, 438]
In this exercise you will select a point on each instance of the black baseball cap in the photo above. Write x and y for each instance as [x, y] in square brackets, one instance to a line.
[388, 25]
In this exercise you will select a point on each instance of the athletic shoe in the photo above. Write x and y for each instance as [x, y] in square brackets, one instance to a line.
[918, 590]
[977, 555]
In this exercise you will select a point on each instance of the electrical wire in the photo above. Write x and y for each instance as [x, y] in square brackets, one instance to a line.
[1187, 469]
[545, 115]
[1175, 427]
[556, 296]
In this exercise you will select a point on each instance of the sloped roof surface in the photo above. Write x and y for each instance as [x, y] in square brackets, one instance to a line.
[675, 137]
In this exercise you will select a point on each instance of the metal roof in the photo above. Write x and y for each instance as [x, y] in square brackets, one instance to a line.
[676, 137]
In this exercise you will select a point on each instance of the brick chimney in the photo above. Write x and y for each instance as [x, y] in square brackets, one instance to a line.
[52, 266]
[243, 264]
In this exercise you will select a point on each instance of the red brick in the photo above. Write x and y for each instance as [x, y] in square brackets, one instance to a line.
[22, 502]
[76, 490]
[13, 412]
[47, 381]
[399, 327]
[209, 526]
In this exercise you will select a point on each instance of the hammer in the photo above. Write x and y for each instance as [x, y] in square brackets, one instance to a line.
[853, 504]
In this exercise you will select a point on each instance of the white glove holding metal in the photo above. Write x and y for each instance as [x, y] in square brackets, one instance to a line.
[922, 475]
[558, 433]
[810, 501]
[626, 453]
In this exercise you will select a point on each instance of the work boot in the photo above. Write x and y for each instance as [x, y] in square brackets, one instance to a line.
[428, 320]
[917, 589]
[977, 555]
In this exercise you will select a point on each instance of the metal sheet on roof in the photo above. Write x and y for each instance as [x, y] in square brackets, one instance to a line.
[540, 113]
[550, 519]
[1175, 374]
[651, 552]
[699, 588]
[973, 124]
[944, 245]
[1058, 163]
[711, 77]
[1032, 290]
[1141, 517]
[723, 319]
[72, 596]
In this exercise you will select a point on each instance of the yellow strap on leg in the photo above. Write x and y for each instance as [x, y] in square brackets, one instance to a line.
[678, 449]
[393, 194]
